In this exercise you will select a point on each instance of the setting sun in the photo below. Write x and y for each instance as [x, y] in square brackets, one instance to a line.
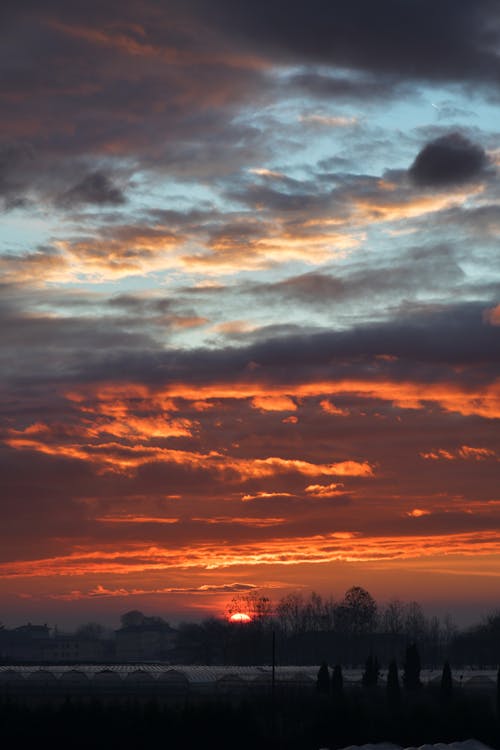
[241, 617]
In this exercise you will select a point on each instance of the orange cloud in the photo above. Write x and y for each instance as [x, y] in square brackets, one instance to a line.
[117, 457]
[127, 427]
[271, 242]
[477, 454]
[146, 427]
[418, 513]
[324, 490]
[118, 427]
[342, 546]
[234, 326]
[265, 495]
[386, 207]
[481, 400]
[117, 398]
[329, 121]
[330, 408]
[438, 454]
[274, 403]
[128, 251]
[34, 268]
[492, 316]
[202, 405]
[136, 519]
[101, 591]
[263, 172]
[243, 521]
[130, 41]
[465, 452]
[187, 321]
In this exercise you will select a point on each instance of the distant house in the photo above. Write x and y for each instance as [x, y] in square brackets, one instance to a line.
[24, 643]
[152, 639]
[70, 648]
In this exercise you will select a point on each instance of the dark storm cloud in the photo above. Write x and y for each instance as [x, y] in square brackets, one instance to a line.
[36, 347]
[451, 40]
[448, 160]
[425, 344]
[95, 188]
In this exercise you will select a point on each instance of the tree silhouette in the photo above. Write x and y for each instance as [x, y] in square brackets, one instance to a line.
[337, 682]
[132, 618]
[393, 688]
[323, 680]
[258, 607]
[498, 692]
[357, 612]
[371, 673]
[446, 682]
[411, 675]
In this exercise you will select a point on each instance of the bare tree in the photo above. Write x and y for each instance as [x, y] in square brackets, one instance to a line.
[132, 618]
[393, 617]
[259, 608]
[357, 612]
[290, 612]
[415, 622]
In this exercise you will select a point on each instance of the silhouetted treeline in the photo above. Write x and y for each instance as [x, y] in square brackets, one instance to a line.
[308, 629]
[312, 628]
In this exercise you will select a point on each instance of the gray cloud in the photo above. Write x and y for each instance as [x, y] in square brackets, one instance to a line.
[448, 160]
[426, 342]
[432, 268]
[95, 188]
[339, 87]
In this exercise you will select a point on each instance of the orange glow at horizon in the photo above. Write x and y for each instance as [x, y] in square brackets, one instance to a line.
[119, 428]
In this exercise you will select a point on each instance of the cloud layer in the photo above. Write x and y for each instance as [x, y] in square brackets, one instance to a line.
[249, 300]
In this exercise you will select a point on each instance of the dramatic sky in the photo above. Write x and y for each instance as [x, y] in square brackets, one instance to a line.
[250, 300]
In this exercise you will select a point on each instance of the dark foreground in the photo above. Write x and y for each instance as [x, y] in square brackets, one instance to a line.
[298, 722]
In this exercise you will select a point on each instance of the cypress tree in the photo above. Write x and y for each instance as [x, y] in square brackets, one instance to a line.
[337, 682]
[393, 688]
[323, 680]
[411, 675]
[371, 673]
[446, 682]
[498, 692]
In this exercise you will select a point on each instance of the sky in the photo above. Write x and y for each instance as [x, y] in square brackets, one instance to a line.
[250, 300]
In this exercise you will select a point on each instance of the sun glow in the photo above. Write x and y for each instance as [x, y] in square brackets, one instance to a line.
[240, 617]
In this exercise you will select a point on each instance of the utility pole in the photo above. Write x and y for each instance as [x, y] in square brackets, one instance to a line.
[273, 689]
[273, 668]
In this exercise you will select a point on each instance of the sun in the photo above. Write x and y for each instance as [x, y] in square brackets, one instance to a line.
[241, 617]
